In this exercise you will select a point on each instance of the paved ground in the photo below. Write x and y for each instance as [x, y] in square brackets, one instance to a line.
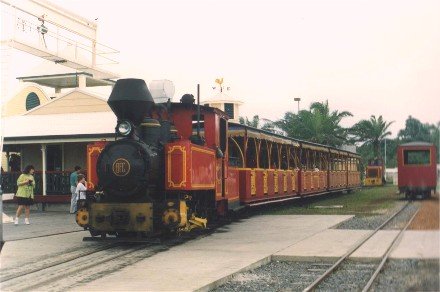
[334, 243]
[42, 223]
[428, 216]
[203, 263]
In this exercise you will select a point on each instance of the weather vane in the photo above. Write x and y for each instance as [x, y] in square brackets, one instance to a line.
[219, 81]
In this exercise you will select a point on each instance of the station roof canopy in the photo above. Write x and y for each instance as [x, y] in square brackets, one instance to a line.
[66, 80]
[58, 128]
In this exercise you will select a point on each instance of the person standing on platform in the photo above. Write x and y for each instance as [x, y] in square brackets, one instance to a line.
[25, 193]
[81, 188]
[73, 184]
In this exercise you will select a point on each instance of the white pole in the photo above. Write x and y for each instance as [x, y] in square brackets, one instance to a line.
[43, 161]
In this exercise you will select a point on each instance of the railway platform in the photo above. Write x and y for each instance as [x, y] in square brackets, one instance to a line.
[204, 263]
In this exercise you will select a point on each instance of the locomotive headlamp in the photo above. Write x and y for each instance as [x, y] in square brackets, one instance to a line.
[124, 128]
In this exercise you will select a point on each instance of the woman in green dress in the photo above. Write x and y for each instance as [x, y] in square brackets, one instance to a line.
[25, 193]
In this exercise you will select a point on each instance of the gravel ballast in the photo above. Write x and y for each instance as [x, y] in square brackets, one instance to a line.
[372, 222]
[408, 275]
[398, 275]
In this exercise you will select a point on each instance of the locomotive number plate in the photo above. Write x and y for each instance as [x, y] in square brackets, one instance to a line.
[121, 167]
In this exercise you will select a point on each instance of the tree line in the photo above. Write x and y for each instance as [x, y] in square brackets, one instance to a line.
[321, 125]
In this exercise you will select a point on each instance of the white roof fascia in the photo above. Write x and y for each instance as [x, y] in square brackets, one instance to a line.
[96, 123]
[110, 137]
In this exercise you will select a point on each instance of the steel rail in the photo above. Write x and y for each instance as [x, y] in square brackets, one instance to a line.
[54, 263]
[330, 270]
[50, 279]
[154, 250]
[45, 235]
[393, 244]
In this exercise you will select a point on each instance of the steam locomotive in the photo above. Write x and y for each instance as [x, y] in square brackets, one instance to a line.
[174, 166]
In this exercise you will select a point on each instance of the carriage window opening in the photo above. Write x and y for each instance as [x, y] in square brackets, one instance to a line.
[274, 157]
[303, 159]
[416, 157]
[284, 158]
[297, 159]
[264, 155]
[251, 154]
[235, 155]
[194, 124]
[321, 162]
[292, 162]
[309, 160]
[315, 161]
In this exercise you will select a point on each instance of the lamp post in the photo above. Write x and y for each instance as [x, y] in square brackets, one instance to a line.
[298, 100]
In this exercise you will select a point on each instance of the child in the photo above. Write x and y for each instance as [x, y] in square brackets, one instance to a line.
[81, 187]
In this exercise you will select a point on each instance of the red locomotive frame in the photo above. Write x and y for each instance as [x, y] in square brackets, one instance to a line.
[417, 168]
[243, 166]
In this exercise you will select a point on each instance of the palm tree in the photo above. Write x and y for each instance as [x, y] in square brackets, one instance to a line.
[416, 131]
[255, 122]
[372, 131]
[319, 124]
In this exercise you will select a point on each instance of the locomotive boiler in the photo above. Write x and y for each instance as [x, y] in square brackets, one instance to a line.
[131, 198]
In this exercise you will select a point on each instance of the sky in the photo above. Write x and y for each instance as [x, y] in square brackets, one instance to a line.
[365, 57]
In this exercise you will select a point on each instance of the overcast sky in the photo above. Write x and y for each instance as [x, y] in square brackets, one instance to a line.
[366, 57]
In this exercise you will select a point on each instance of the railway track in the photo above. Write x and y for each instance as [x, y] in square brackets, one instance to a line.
[70, 268]
[45, 235]
[369, 270]
[63, 271]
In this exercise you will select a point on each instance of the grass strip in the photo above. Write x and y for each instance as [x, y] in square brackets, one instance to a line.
[365, 202]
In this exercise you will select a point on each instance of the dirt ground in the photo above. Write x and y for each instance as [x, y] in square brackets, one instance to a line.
[428, 216]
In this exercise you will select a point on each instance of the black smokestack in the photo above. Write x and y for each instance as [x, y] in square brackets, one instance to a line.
[131, 100]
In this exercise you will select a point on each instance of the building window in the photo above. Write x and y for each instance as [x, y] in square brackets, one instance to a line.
[32, 101]
[229, 110]
[54, 158]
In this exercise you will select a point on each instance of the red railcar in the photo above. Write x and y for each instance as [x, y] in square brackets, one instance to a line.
[417, 169]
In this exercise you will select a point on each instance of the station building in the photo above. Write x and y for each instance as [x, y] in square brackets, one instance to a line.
[52, 132]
